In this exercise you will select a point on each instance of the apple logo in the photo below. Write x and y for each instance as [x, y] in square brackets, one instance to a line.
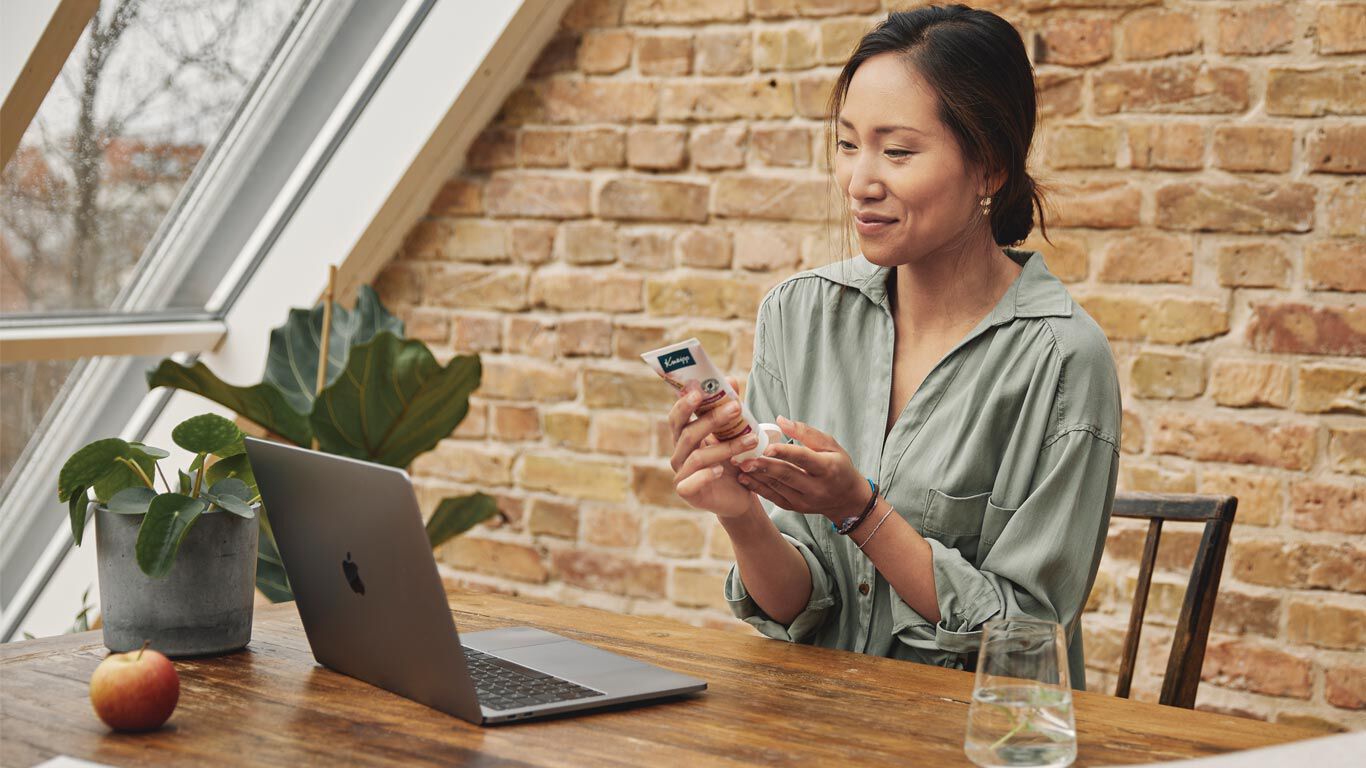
[353, 575]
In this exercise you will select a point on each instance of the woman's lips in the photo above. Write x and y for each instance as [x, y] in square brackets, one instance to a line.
[872, 227]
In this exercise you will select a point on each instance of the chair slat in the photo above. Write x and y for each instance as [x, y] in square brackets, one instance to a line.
[1182, 677]
[1145, 580]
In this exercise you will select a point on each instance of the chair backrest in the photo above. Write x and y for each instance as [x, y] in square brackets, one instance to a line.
[1182, 677]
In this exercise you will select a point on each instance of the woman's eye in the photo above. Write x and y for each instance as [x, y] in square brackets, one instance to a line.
[845, 145]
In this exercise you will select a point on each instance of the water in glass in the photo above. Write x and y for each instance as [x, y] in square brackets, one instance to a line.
[1021, 712]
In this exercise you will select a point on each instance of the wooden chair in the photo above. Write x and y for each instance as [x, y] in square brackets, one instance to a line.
[1182, 677]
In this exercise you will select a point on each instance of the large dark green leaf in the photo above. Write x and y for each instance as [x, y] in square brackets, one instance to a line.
[394, 401]
[456, 515]
[292, 365]
[206, 433]
[168, 519]
[89, 464]
[262, 403]
[270, 570]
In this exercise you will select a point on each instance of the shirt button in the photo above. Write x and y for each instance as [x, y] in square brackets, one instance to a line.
[863, 588]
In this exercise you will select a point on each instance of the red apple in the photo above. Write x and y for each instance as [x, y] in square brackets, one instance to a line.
[135, 691]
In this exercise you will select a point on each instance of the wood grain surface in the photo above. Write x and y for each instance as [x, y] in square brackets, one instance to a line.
[768, 703]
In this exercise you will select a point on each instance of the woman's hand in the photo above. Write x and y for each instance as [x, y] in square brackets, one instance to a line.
[815, 478]
[703, 474]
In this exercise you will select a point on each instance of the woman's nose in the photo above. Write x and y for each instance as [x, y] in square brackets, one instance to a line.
[865, 183]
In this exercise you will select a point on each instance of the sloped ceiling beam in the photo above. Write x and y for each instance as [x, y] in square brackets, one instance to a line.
[36, 37]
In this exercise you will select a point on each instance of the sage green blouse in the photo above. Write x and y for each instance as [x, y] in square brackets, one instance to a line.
[1004, 459]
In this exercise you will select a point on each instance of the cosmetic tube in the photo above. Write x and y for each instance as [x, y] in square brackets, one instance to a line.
[686, 361]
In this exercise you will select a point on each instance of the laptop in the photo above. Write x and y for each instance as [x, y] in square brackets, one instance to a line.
[354, 547]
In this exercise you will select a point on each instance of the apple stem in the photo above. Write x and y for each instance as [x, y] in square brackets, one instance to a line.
[145, 643]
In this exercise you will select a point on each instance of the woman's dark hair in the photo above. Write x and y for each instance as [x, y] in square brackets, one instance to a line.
[977, 65]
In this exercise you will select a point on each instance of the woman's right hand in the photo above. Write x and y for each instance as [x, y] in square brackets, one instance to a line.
[704, 476]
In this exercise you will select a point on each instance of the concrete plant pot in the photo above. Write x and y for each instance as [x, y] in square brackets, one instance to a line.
[202, 607]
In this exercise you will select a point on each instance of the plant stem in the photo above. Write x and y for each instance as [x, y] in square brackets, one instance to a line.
[145, 643]
[164, 481]
[143, 475]
[1019, 726]
[199, 476]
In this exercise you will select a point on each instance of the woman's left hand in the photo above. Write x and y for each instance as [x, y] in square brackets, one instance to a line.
[814, 478]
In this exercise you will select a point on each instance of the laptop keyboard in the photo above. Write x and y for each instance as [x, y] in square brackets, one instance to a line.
[501, 684]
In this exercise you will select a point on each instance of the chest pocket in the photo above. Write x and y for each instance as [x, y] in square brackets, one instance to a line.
[955, 521]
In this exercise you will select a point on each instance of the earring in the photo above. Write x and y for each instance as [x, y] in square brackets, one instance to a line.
[986, 206]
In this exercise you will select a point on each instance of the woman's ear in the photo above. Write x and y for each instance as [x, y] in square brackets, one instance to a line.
[991, 182]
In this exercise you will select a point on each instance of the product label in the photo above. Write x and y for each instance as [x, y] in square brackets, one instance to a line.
[675, 360]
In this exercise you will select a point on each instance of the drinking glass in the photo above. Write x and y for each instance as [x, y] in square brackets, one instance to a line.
[1021, 712]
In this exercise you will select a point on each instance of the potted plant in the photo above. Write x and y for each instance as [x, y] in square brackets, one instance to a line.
[176, 567]
[348, 383]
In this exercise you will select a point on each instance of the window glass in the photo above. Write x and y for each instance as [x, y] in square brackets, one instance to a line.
[29, 388]
[146, 92]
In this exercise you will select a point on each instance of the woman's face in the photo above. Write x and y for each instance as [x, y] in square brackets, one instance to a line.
[896, 161]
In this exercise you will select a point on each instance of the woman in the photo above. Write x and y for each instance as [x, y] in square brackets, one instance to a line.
[958, 414]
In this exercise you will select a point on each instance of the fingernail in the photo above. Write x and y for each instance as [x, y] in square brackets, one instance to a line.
[695, 398]
[716, 471]
[731, 409]
[749, 441]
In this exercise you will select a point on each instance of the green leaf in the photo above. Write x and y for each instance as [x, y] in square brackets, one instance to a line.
[132, 501]
[270, 571]
[206, 433]
[394, 402]
[292, 365]
[233, 495]
[169, 518]
[262, 403]
[235, 449]
[88, 465]
[186, 482]
[456, 515]
[154, 452]
[77, 506]
[233, 466]
[232, 486]
[121, 476]
[232, 504]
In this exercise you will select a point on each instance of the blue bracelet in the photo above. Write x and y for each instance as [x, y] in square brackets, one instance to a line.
[850, 523]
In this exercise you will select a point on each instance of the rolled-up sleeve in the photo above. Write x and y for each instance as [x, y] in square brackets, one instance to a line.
[766, 397]
[1044, 560]
[804, 627]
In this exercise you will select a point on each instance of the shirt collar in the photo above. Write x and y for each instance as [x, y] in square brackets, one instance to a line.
[1034, 293]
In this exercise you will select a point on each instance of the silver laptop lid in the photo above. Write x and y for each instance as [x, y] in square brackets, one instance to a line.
[354, 547]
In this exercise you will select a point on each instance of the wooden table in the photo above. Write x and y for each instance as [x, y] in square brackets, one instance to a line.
[768, 703]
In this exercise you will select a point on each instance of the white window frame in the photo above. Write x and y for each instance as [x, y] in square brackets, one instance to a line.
[440, 73]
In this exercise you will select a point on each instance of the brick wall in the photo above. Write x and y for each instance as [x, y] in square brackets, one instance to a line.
[662, 166]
